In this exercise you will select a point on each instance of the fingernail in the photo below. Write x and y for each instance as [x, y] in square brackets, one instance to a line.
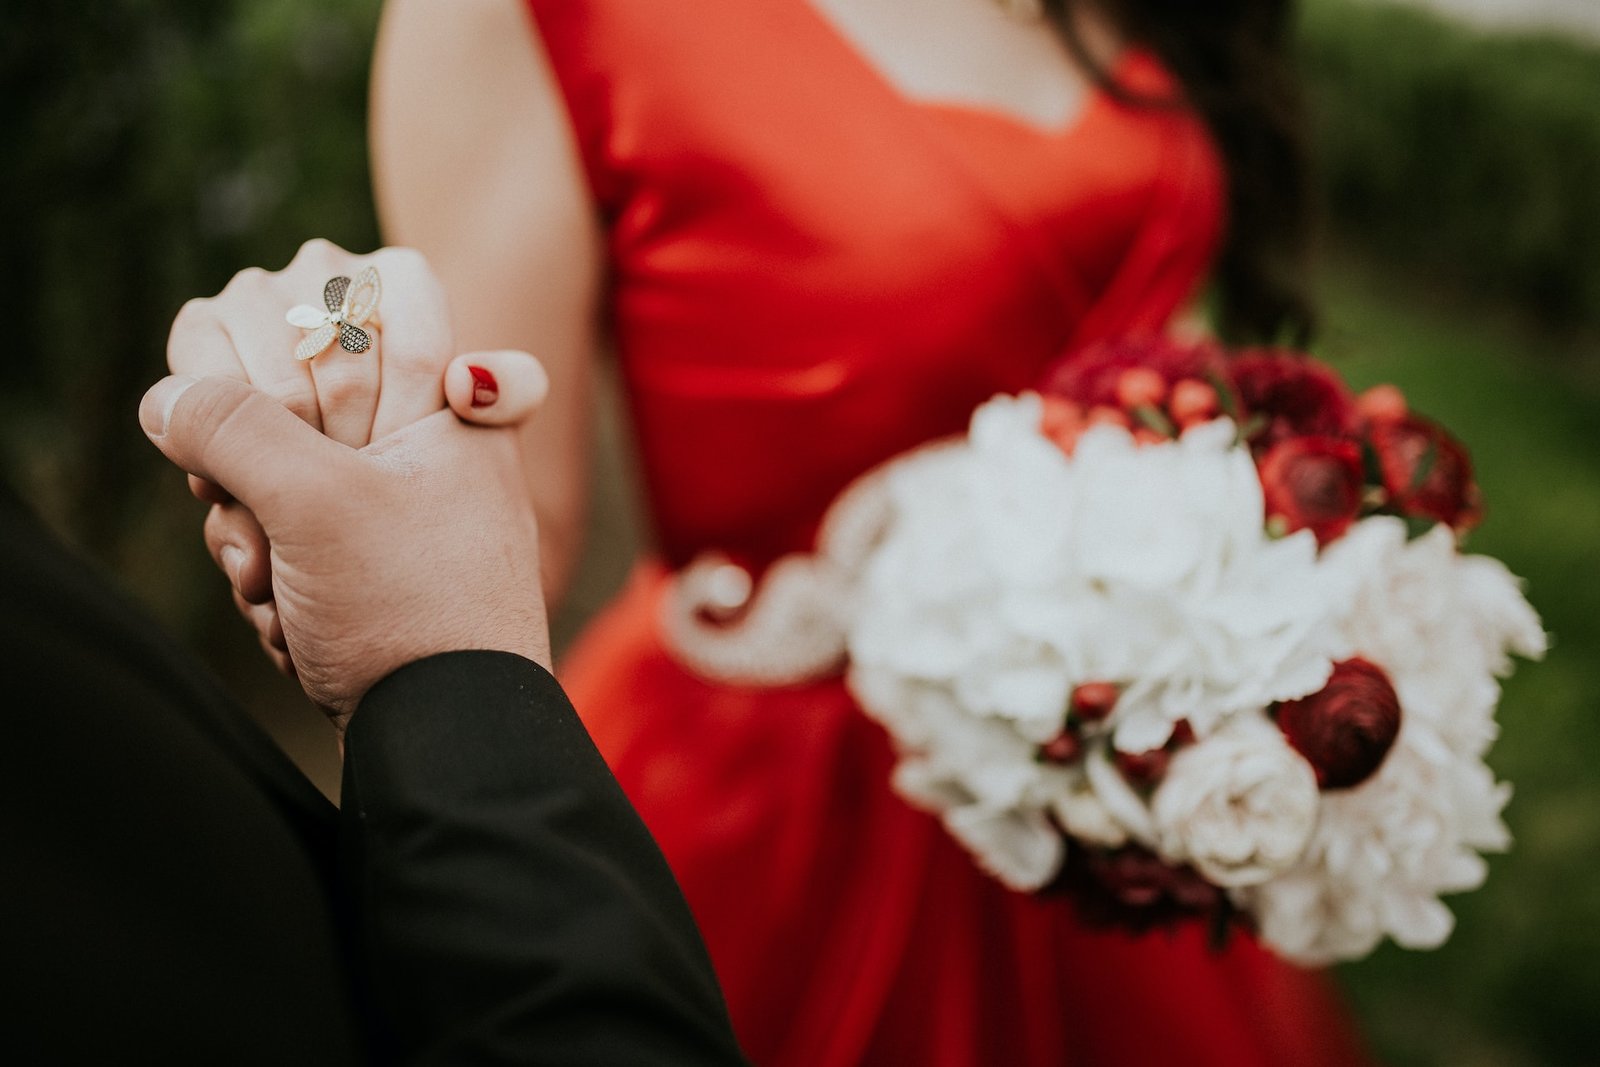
[485, 390]
[155, 410]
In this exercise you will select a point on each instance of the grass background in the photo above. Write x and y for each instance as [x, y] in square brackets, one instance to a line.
[162, 144]
[1519, 983]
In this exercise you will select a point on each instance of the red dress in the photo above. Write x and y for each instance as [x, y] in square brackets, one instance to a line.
[810, 274]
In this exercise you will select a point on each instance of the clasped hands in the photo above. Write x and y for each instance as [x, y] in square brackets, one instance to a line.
[366, 513]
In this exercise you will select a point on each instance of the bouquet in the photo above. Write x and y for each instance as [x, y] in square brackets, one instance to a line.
[1183, 633]
[1203, 642]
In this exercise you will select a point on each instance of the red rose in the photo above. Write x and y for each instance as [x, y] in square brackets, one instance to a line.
[1292, 395]
[1313, 483]
[1091, 376]
[1426, 472]
[1347, 728]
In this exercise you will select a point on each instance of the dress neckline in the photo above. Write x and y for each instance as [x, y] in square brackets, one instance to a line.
[850, 54]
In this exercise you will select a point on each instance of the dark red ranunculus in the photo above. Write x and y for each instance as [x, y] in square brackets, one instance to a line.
[1091, 376]
[1291, 395]
[1132, 888]
[1345, 729]
[1313, 483]
[1426, 472]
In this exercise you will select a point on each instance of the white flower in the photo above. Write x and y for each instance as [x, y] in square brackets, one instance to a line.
[1086, 816]
[1200, 614]
[1020, 848]
[1383, 852]
[1168, 515]
[1441, 624]
[1009, 573]
[1125, 806]
[1239, 805]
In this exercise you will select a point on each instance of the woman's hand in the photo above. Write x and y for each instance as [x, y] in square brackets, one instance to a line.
[353, 398]
[406, 375]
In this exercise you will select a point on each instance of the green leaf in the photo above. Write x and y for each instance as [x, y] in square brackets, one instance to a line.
[1372, 467]
[1153, 418]
[1417, 525]
[1224, 394]
[1252, 426]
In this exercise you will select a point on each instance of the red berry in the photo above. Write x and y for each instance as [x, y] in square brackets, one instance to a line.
[1093, 701]
[1144, 435]
[1057, 414]
[1138, 387]
[1193, 401]
[1382, 403]
[1182, 734]
[1143, 768]
[1062, 422]
[1101, 415]
[1065, 747]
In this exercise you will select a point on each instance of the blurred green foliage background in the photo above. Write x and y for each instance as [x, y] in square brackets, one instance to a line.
[156, 146]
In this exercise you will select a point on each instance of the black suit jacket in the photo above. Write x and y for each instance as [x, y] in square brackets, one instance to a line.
[173, 890]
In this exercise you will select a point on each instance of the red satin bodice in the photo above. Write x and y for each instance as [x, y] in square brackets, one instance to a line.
[810, 273]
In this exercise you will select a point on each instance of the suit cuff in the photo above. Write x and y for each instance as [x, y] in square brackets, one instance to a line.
[454, 722]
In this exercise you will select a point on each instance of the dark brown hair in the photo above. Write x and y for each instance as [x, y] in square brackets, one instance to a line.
[1232, 59]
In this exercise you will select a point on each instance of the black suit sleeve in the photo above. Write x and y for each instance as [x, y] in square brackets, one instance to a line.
[165, 873]
[513, 908]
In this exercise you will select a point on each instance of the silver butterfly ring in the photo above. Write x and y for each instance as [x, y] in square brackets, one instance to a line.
[350, 306]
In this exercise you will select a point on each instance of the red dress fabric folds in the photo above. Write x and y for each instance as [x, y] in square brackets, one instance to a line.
[810, 274]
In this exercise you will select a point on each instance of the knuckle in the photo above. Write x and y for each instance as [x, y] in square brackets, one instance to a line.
[410, 268]
[216, 528]
[189, 326]
[317, 251]
[249, 280]
[418, 354]
[224, 427]
[346, 390]
[403, 257]
[208, 408]
[298, 396]
[194, 312]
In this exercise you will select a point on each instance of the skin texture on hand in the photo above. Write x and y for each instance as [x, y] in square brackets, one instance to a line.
[419, 544]
[353, 398]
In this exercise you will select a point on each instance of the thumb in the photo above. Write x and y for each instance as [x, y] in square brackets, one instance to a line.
[495, 388]
[226, 432]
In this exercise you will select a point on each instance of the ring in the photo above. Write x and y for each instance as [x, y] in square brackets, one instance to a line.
[350, 306]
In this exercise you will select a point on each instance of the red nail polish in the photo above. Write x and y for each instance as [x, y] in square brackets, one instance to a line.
[485, 390]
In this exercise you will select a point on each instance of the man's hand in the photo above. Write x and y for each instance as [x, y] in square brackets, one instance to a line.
[353, 398]
[424, 542]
